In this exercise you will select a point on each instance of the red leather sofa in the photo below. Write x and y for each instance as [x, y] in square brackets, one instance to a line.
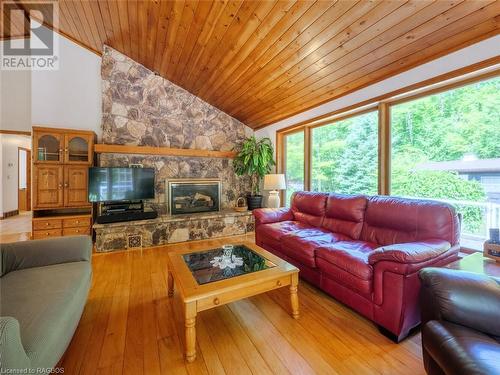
[364, 251]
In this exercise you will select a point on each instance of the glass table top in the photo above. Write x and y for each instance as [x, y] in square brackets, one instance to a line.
[210, 265]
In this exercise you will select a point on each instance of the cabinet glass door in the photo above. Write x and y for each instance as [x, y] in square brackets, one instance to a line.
[78, 150]
[48, 148]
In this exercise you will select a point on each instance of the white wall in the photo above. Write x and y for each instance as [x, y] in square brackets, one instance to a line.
[67, 98]
[15, 97]
[475, 53]
[15, 114]
[71, 96]
[10, 169]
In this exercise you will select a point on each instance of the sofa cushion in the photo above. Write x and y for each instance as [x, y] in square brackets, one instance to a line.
[309, 207]
[47, 302]
[351, 256]
[345, 214]
[271, 215]
[272, 232]
[301, 245]
[391, 220]
[347, 262]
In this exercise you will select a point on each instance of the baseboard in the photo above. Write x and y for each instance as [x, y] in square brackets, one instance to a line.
[8, 214]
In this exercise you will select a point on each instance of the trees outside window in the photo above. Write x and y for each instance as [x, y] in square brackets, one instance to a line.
[445, 146]
[344, 156]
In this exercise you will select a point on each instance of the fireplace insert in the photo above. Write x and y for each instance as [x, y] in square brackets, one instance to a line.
[189, 196]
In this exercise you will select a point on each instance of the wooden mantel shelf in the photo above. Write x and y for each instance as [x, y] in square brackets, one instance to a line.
[164, 151]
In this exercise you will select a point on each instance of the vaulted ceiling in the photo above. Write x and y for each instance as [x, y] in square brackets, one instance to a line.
[13, 24]
[262, 61]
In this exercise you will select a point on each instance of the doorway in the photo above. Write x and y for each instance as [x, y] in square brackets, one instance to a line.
[24, 179]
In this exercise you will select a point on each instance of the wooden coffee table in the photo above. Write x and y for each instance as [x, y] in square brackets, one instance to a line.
[202, 286]
[477, 263]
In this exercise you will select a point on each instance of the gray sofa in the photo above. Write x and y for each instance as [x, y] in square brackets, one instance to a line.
[44, 286]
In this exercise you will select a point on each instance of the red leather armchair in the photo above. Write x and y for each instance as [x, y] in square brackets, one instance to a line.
[364, 251]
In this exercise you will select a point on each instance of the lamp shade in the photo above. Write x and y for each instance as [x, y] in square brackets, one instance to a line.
[274, 182]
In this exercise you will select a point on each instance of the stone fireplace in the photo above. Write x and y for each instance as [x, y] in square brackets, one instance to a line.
[188, 196]
[141, 108]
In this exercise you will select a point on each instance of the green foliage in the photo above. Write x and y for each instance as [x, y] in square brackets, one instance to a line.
[446, 127]
[254, 159]
[444, 185]
[344, 156]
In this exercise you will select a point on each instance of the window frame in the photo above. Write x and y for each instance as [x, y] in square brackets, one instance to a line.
[307, 129]
[281, 155]
[385, 120]
[383, 106]
[340, 118]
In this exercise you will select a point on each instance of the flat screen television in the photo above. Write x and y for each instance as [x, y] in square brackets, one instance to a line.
[121, 184]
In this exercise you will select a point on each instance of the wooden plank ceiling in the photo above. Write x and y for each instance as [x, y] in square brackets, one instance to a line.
[13, 23]
[262, 61]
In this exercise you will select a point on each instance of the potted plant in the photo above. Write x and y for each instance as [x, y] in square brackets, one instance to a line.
[254, 159]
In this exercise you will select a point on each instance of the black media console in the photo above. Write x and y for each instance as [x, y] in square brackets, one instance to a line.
[113, 212]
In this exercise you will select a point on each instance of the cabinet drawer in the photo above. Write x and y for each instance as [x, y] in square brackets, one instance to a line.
[76, 222]
[46, 224]
[37, 234]
[76, 231]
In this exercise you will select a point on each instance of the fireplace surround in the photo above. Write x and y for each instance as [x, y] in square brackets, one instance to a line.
[188, 196]
[215, 221]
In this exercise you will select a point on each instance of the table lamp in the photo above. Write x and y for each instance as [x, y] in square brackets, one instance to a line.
[274, 182]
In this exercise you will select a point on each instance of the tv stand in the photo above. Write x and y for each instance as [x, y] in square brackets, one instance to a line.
[114, 212]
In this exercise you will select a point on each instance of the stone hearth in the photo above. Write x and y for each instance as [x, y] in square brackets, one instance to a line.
[168, 229]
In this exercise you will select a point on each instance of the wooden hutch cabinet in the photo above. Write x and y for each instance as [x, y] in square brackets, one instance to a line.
[61, 160]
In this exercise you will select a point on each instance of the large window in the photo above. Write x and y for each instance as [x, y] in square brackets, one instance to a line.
[294, 163]
[443, 144]
[344, 155]
[446, 146]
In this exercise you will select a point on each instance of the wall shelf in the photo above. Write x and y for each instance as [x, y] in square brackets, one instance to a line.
[162, 151]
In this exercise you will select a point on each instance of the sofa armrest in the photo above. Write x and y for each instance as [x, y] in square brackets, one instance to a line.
[272, 215]
[461, 297]
[411, 252]
[39, 253]
[12, 353]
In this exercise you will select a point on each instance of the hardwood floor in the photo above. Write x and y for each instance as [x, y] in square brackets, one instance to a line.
[16, 228]
[130, 326]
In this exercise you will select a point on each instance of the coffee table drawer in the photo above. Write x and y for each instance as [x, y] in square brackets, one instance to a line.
[244, 292]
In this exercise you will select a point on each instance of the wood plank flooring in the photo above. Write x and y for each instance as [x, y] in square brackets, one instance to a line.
[16, 228]
[130, 326]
